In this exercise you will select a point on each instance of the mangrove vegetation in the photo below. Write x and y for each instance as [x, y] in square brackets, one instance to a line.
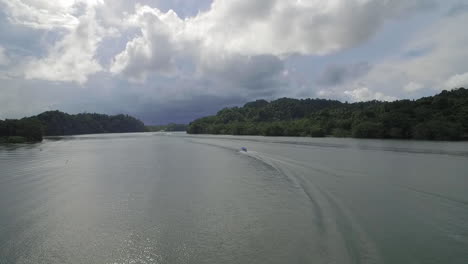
[440, 117]
[56, 123]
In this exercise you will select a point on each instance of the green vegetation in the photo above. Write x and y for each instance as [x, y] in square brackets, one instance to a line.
[167, 128]
[56, 123]
[440, 117]
[20, 131]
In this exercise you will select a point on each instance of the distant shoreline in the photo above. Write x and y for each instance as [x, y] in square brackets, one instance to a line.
[56, 123]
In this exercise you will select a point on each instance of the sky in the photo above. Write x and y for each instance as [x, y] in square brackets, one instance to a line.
[173, 61]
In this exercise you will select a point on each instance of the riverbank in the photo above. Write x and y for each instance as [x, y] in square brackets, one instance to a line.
[16, 140]
[439, 117]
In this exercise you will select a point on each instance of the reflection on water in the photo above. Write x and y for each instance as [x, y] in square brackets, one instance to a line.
[176, 198]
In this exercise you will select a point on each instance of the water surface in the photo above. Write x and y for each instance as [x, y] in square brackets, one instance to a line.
[175, 198]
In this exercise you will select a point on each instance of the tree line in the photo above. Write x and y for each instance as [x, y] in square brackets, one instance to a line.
[440, 117]
[56, 123]
[171, 127]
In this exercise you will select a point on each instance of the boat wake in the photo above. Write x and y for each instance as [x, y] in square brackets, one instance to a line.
[342, 238]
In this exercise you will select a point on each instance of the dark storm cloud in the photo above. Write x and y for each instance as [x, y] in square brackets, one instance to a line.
[187, 110]
[254, 73]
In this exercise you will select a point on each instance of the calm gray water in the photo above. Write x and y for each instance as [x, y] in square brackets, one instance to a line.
[175, 198]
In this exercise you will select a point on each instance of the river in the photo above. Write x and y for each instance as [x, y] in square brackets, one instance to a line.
[177, 198]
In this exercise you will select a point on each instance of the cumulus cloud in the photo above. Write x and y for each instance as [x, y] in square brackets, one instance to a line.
[73, 57]
[235, 28]
[251, 28]
[155, 50]
[457, 81]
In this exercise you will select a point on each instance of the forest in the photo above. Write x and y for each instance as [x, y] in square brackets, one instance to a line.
[56, 123]
[440, 117]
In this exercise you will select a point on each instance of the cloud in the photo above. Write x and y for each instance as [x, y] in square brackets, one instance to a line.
[413, 87]
[4, 59]
[457, 81]
[340, 74]
[457, 9]
[279, 27]
[365, 94]
[415, 76]
[164, 41]
[199, 105]
[184, 8]
[252, 28]
[228, 28]
[152, 52]
[257, 74]
[44, 14]
[143, 58]
[445, 58]
[73, 57]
